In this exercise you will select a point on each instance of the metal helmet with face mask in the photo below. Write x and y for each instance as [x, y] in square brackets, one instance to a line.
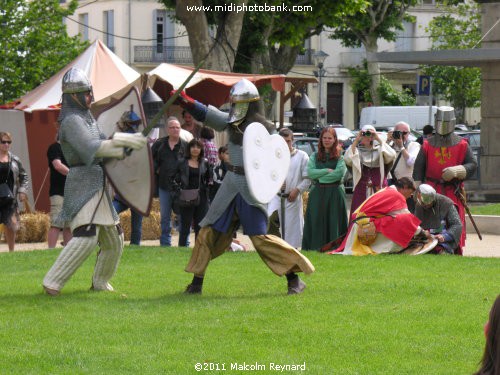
[426, 195]
[241, 95]
[445, 120]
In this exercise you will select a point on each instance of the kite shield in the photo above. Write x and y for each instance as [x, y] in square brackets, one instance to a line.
[132, 177]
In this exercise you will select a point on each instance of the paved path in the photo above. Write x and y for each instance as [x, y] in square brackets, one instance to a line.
[488, 247]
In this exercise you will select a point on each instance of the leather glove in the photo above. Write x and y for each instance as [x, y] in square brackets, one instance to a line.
[134, 141]
[450, 173]
[184, 100]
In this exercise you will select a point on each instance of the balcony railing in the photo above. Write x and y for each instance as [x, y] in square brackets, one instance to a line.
[182, 55]
[169, 54]
[305, 58]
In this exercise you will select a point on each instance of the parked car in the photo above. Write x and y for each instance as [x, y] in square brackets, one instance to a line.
[345, 136]
[473, 137]
[304, 143]
[461, 127]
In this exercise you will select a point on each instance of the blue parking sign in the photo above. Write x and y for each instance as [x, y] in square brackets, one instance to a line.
[424, 85]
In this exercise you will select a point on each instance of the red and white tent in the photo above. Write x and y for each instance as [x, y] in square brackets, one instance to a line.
[207, 86]
[31, 119]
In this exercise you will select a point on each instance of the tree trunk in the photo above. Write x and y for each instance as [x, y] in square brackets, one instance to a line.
[219, 54]
[274, 61]
[373, 67]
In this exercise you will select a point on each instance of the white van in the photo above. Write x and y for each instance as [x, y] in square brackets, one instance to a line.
[387, 117]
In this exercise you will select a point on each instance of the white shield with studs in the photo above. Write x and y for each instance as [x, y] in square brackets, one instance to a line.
[266, 159]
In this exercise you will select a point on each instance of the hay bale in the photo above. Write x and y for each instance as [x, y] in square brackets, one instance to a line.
[150, 226]
[34, 227]
[155, 205]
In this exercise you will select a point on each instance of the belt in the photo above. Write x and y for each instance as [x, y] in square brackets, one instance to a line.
[441, 182]
[329, 185]
[235, 169]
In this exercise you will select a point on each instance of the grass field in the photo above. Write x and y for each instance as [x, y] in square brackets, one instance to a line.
[367, 315]
[486, 209]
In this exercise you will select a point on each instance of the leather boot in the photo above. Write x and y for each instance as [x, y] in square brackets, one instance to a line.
[193, 289]
[296, 286]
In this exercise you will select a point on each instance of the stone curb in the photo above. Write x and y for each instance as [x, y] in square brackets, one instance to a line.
[487, 224]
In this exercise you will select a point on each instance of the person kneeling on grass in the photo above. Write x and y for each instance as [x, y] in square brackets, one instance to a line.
[383, 223]
[440, 217]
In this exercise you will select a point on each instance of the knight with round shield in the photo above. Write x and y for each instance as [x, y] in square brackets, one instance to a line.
[259, 161]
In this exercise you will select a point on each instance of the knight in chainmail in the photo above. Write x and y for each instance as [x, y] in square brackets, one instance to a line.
[440, 217]
[444, 161]
[87, 200]
[234, 204]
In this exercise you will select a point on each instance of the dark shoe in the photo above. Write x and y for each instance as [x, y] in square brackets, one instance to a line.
[51, 292]
[296, 286]
[193, 289]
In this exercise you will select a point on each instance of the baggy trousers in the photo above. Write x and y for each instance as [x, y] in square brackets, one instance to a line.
[279, 256]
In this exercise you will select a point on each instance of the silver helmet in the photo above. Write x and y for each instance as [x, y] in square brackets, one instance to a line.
[75, 80]
[242, 93]
[426, 195]
[445, 120]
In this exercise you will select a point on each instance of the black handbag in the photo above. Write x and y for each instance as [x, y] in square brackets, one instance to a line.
[6, 195]
[190, 197]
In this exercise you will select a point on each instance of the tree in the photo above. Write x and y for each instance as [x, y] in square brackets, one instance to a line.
[361, 82]
[459, 28]
[381, 19]
[272, 33]
[263, 39]
[34, 44]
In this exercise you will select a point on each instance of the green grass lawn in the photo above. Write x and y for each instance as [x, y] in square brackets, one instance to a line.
[366, 315]
[487, 209]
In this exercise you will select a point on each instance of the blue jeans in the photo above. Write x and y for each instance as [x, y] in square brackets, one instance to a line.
[135, 220]
[166, 203]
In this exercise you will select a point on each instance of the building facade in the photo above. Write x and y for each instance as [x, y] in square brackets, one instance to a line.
[144, 34]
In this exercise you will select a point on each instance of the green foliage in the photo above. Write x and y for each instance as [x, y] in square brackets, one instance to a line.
[459, 28]
[381, 19]
[34, 44]
[358, 315]
[265, 32]
[390, 96]
[361, 82]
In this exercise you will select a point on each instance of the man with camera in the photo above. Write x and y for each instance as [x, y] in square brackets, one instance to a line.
[406, 152]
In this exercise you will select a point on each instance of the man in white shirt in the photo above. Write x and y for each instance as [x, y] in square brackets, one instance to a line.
[407, 152]
[295, 184]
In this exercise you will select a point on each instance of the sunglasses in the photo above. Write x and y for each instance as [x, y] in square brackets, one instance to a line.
[366, 133]
[6, 142]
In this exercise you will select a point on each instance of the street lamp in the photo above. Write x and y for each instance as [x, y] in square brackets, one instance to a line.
[319, 58]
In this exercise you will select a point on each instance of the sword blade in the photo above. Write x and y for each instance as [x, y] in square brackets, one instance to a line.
[169, 102]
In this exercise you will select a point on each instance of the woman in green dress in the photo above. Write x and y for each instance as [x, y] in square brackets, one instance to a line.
[326, 215]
